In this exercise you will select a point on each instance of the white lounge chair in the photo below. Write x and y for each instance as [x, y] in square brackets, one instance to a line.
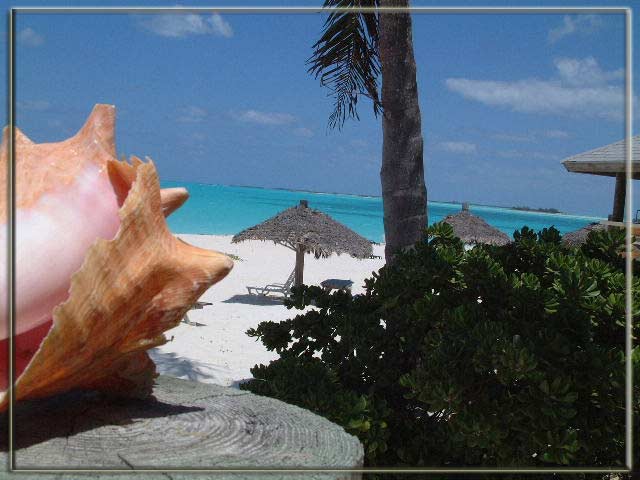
[195, 306]
[200, 305]
[283, 288]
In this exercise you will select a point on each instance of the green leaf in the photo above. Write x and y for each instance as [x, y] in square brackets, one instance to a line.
[346, 59]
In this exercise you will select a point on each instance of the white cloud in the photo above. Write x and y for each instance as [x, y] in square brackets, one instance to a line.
[221, 26]
[529, 137]
[585, 72]
[183, 24]
[508, 137]
[567, 95]
[264, 118]
[33, 105]
[556, 134]
[303, 132]
[458, 147]
[582, 24]
[30, 38]
[192, 114]
[528, 155]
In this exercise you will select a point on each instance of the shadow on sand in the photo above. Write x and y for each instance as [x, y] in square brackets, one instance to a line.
[168, 363]
[254, 300]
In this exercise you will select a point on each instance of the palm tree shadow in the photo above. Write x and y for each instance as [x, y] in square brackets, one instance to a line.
[168, 363]
[67, 414]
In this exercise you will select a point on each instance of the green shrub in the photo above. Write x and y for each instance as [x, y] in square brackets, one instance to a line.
[508, 356]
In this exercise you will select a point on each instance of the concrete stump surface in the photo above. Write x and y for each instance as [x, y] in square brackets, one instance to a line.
[187, 425]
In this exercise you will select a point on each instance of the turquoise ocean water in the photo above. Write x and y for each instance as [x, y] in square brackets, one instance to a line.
[226, 210]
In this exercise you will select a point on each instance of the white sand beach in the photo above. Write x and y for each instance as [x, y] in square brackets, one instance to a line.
[216, 349]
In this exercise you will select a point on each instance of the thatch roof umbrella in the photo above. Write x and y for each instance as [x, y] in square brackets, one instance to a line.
[578, 237]
[304, 230]
[472, 229]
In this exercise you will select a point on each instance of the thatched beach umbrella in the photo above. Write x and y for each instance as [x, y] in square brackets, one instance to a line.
[578, 237]
[472, 229]
[304, 230]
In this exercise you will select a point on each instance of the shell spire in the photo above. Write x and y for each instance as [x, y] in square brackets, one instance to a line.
[20, 138]
[100, 128]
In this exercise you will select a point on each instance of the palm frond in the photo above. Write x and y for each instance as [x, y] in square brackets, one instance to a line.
[346, 59]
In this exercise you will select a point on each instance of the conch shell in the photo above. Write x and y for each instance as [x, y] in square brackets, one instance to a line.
[98, 275]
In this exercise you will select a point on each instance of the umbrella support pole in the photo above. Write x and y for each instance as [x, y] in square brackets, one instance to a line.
[299, 275]
[619, 198]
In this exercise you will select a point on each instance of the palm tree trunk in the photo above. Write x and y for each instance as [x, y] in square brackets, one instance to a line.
[404, 195]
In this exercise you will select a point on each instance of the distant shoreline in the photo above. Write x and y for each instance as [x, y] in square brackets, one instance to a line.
[538, 211]
[278, 188]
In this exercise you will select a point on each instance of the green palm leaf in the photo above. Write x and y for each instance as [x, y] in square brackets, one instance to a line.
[346, 59]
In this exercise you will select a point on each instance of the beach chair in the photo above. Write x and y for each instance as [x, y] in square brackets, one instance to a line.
[283, 288]
[200, 305]
[337, 284]
[195, 306]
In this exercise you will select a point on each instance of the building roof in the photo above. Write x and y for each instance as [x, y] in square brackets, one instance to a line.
[608, 160]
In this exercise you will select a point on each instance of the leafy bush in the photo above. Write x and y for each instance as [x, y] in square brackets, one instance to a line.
[508, 356]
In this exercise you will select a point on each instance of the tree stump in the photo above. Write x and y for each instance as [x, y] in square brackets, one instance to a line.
[187, 425]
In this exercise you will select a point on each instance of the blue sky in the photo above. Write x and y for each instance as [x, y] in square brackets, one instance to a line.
[227, 100]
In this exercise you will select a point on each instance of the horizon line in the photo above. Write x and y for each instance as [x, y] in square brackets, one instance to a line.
[515, 208]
